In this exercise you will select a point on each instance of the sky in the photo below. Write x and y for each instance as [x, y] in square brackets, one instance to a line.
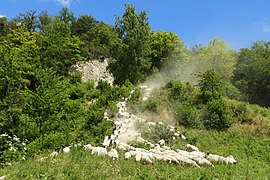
[237, 22]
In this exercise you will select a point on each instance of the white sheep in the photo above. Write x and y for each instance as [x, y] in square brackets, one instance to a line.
[157, 156]
[170, 158]
[88, 147]
[183, 137]
[157, 151]
[202, 161]
[113, 154]
[100, 151]
[166, 147]
[151, 124]
[217, 158]
[128, 155]
[54, 154]
[116, 142]
[186, 161]
[230, 160]
[66, 149]
[146, 158]
[106, 142]
[124, 146]
[2, 177]
[140, 139]
[138, 156]
[191, 147]
[161, 142]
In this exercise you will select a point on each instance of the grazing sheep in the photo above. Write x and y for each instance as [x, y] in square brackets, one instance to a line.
[140, 139]
[128, 155]
[182, 152]
[157, 156]
[133, 153]
[106, 142]
[166, 147]
[116, 142]
[113, 154]
[88, 147]
[157, 146]
[230, 160]
[66, 149]
[183, 137]
[151, 124]
[217, 158]
[100, 151]
[191, 147]
[150, 144]
[43, 158]
[124, 146]
[161, 142]
[186, 161]
[197, 154]
[202, 161]
[54, 154]
[138, 156]
[2, 177]
[170, 159]
[146, 158]
[157, 151]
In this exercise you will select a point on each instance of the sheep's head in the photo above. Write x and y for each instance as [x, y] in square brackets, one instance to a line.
[230, 160]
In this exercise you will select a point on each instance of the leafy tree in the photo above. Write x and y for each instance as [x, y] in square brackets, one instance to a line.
[57, 49]
[98, 41]
[210, 86]
[3, 26]
[219, 115]
[131, 54]
[66, 16]
[19, 56]
[44, 20]
[162, 45]
[83, 24]
[252, 74]
[28, 20]
[214, 56]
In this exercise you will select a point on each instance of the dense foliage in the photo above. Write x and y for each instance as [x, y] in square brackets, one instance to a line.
[252, 74]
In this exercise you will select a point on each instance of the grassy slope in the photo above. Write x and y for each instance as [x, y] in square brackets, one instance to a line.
[248, 143]
[252, 153]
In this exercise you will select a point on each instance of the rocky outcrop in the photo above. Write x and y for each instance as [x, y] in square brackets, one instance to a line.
[95, 70]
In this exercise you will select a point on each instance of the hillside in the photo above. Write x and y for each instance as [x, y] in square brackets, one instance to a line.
[82, 99]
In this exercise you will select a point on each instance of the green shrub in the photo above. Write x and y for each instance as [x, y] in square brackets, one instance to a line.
[153, 104]
[76, 92]
[180, 91]
[218, 115]
[75, 78]
[239, 112]
[11, 149]
[210, 86]
[188, 116]
[158, 132]
[53, 140]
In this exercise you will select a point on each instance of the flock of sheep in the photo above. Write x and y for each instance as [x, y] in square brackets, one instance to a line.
[125, 132]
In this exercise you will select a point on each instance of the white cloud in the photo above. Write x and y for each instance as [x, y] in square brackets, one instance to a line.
[1, 16]
[65, 3]
[263, 26]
